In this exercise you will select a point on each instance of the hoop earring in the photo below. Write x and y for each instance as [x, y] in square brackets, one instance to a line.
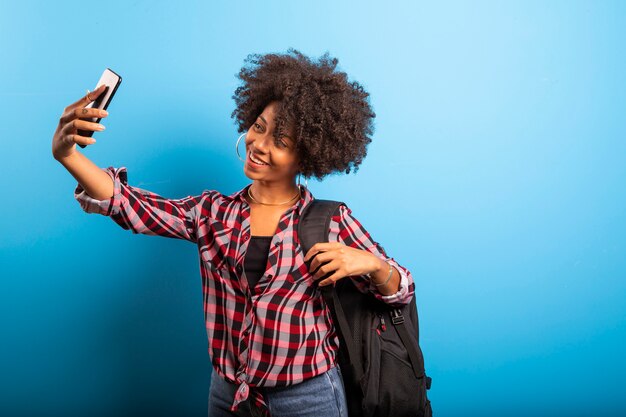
[306, 181]
[237, 147]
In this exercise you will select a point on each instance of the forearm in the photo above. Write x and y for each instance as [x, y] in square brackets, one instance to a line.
[97, 183]
[381, 275]
[346, 229]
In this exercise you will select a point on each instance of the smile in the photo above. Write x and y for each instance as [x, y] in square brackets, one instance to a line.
[255, 160]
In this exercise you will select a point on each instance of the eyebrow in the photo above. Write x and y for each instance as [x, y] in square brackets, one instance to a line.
[265, 121]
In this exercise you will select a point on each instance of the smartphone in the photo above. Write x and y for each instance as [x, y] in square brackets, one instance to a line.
[112, 82]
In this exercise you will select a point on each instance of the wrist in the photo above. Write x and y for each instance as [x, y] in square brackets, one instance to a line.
[381, 273]
[381, 267]
[64, 156]
[377, 266]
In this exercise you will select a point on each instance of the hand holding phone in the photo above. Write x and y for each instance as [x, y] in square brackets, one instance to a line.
[112, 81]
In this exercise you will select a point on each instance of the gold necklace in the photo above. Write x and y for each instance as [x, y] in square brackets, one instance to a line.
[273, 204]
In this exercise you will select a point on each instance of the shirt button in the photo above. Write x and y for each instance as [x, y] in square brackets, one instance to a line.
[239, 268]
[246, 236]
[270, 276]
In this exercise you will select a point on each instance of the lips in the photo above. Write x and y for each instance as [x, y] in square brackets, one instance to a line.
[256, 160]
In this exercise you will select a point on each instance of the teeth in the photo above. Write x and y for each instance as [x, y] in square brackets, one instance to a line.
[256, 160]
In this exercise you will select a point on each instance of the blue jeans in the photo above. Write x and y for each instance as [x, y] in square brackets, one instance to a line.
[321, 396]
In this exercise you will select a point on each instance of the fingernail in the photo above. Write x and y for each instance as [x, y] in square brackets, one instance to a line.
[104, 113]
[101, 127]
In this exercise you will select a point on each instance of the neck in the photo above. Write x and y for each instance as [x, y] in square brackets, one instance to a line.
[273, 193]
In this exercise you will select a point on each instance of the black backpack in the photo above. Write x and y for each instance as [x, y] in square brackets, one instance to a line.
[379, 356]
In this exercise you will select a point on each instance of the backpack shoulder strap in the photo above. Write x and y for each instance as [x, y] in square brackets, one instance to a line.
[313, 227]
[315, 221]
[411, 344]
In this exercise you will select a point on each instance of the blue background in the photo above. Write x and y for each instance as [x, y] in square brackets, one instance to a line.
[496, 175]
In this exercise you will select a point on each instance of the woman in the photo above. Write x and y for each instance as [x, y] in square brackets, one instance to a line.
[271, 339]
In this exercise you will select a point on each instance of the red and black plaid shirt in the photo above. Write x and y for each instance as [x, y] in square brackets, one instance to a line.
[276, 334]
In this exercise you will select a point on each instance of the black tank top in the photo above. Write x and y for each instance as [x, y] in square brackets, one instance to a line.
[256, 258]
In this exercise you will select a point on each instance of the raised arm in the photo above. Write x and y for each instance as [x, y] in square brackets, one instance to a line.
[95, 181]
[105, 191]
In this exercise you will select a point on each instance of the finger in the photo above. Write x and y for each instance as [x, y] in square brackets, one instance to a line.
[87, 125]
[326, 269]
[321, 259]
[67, 117]
[73, 126]
[88, 98]
[68, 128]
[321, 247]
[80, 140]
[86, 112]
[332, 279]
[92, 95]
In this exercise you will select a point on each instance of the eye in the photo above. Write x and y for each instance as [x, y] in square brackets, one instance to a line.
[257, 126]
[280, 143]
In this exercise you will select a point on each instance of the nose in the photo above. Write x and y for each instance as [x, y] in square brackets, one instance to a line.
[261, 142]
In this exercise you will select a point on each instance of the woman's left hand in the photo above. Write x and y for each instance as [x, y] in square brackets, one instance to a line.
[340, 260]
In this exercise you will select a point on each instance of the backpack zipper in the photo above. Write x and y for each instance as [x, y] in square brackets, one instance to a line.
[382, 326]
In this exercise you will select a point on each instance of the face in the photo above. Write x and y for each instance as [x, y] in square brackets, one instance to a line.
[267, 158]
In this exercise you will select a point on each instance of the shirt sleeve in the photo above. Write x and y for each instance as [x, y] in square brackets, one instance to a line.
[142, 211]
[348, 230]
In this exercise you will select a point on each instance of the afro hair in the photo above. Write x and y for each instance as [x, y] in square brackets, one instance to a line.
[332, 117]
